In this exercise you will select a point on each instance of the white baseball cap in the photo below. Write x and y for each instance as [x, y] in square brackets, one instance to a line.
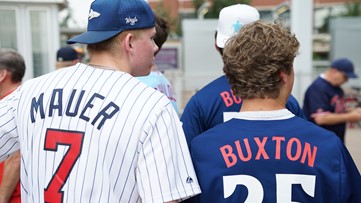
[231, 19]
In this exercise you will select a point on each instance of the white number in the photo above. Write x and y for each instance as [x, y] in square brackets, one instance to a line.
[284, 184]
[255, 189]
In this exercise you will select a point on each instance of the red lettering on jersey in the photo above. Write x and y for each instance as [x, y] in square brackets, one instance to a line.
[294, 150]
[229, 157]
[240, 152]
[236, 99]
[289, 149]
[310, 155]
[278, 146]
[261, 150]
[226, 98]
[229, 99]
[339, 104]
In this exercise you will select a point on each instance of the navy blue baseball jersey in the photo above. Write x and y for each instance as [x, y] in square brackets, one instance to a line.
[205, 109]
[272, 157]
[322, 98]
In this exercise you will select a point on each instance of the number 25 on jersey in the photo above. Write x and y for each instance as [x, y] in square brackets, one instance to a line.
[284, 184]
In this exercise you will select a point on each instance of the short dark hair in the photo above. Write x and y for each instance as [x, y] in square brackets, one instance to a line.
[13, 62]
[162, 29]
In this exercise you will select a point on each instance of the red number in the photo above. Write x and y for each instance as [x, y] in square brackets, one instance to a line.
[74, 140]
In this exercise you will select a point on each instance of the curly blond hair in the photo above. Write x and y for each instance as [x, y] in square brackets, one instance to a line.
[255, 57]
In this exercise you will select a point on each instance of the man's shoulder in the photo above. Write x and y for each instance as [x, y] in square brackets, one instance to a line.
[213, 88]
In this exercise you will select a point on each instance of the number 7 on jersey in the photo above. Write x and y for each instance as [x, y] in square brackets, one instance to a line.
[53, 139]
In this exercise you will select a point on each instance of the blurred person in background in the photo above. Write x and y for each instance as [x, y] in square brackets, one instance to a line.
[66, 56]
[324, 102]
[12, 70]
[156, 79]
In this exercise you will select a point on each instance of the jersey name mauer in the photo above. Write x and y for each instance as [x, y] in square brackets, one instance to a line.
[57, 107]
[87, 135]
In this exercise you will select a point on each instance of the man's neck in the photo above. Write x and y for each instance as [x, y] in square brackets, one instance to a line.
[103, 60]
[8, 89]
[262, 104]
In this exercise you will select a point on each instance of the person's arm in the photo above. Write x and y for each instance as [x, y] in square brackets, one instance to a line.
[336, 118]
[11, 177]
[164, 165]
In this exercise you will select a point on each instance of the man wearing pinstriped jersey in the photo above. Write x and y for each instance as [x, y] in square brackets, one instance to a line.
[12, 70]
[94, 133]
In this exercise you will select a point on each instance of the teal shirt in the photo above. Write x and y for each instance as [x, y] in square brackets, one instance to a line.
[159, 82]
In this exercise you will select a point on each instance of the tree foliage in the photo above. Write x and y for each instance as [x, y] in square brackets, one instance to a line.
[217, 5]
[353, 8]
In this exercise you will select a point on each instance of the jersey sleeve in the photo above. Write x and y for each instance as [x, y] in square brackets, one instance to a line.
[192, 120]
[350, 178]
[9, 138]
[293, 106]
[165, 171]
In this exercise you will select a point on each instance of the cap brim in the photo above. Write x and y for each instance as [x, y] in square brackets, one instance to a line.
[351, 75]
[221, 40]
[92, 37]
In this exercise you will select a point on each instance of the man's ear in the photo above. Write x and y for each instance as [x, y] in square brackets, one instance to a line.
[128, 42]
[284, 77]
[3, 74]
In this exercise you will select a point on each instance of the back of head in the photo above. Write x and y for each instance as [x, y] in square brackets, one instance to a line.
[67, 53]
[66, 56]
[13, 62]
[162, 29]
[232, 19]
[108, 18]
[255, 57]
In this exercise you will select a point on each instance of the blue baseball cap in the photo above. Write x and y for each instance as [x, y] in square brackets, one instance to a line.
[108, 18]
[66, 54]
[344, 65]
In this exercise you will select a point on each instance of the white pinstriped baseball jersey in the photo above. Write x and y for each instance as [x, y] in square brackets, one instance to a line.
[95, 135]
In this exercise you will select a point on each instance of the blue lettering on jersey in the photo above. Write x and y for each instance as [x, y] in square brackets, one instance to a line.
[90, 105]
[105, 114]
[35, 106]
[76, 108]
[72, 108]
[56, 102]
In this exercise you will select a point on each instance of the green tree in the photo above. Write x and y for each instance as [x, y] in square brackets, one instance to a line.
[352, 9]
[173, 22]
[217, 5]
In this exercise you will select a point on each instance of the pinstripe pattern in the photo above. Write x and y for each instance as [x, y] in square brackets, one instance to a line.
[133, 145]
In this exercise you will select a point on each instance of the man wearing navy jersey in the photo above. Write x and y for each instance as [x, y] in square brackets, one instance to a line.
[265, 153]
[324, 100]
[205, 109]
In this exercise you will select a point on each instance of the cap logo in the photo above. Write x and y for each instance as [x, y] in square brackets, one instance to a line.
[236, 26]
[131, 21]
[93, 14]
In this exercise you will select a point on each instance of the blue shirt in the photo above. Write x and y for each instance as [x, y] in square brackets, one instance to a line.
[321, 98]
[280, 160]
[159, 82]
